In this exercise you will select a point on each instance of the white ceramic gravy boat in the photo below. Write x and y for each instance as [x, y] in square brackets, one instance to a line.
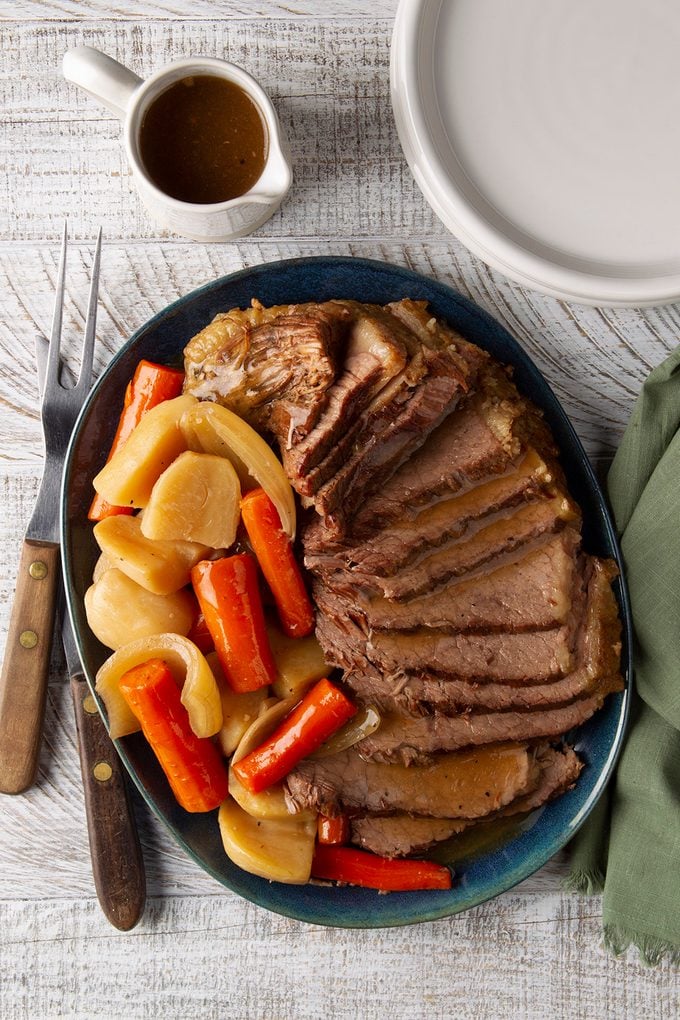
[128, 97]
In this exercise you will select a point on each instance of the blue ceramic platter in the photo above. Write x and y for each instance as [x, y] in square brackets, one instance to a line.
[598, 742]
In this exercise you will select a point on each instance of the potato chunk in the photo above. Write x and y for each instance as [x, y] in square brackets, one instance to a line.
[196, 499]
[160, 567]
[299, 662]
[130, 475]
[239, 711]
[279, 849]
[120, 610]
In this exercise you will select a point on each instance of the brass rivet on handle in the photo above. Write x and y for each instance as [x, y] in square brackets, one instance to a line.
[28, 639]
[90, 705]
[102, 771]
[38, 570]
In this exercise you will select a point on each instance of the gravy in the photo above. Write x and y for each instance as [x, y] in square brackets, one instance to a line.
[203, 140]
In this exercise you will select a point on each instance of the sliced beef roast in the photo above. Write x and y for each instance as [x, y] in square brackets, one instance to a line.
[401, 834]
[445, 560]
[470, 784]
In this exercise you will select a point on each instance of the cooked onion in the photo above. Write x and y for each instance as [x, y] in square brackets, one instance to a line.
[211, 428]
[200, 694]
[361, 725]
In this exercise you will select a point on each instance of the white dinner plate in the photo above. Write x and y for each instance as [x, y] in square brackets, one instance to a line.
[544, 134]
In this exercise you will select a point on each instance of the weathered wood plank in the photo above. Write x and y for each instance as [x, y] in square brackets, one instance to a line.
[531, 957]
[85, 10]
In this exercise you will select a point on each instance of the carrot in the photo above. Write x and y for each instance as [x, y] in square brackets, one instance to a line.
[275, 555]
[357, 867]
[192, 764]
[333, 830]
[228, 594]
[150, 385]
[200, 635]
[321, 712]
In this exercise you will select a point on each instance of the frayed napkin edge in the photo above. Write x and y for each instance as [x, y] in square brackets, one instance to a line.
[588, 883]
[653, 951]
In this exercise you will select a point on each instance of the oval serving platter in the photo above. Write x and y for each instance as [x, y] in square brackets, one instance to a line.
[597, 742]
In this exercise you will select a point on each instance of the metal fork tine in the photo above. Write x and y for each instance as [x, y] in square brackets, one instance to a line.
[52, 373]
[85, 376]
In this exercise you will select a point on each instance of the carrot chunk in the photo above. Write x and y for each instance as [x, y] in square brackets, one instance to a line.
[333, 831]
[275, 555]
[228, 594]
[192, 764]
[357, 867]
[322, 711]
[150, 385]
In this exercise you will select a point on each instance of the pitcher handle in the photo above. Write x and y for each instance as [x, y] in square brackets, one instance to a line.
[102, 77]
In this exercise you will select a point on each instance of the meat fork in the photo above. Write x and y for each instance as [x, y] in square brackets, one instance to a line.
[23, 681]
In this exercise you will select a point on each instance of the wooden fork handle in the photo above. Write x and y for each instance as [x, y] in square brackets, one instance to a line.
[117, 862]
[23, 681]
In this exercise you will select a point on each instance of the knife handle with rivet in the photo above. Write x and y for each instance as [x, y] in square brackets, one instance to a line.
[117, 862]
[23, 681]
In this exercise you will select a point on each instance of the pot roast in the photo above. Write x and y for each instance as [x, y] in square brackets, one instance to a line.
[445, 560]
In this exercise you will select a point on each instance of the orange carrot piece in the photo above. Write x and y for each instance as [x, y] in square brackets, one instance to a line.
[200, 635]
[150, 385]
[333, 831]
[192, 764]
[322, 711]
[275, 555]
[357, 867]
[229, 596]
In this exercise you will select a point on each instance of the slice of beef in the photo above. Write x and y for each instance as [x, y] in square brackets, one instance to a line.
[487, 541]
[407, 739]
[401, 834]
[465, 785]
[373, 357]
[387, 397]
[271, 366]
[526, 657]
[597, 655]
[531, 590]
[405, 541]
[478, 440]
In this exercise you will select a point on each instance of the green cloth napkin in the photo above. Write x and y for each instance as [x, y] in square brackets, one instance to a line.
[630, 846]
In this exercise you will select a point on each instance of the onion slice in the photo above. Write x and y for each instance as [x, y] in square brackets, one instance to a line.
[211, 428]
[361, 725]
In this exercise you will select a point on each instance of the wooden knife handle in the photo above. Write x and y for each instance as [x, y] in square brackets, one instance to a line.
[117, 862]
[23, 681]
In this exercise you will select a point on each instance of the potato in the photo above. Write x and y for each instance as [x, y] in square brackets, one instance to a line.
[211, 428]
[200, 695]
[238, 710]
[160, 567]
[196, 499]
[279, 849]
[269, 803]
[101, 566]
[119, 610]
[299, 662]
[130, 475]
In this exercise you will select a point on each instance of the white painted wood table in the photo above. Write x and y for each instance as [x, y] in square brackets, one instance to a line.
[201, 951]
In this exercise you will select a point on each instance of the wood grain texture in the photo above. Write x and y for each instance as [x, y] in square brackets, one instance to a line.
[85, 10]
[200, 951]
[25, 664]
[530, 958]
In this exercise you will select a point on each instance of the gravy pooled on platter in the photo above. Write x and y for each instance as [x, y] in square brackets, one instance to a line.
[203, 140]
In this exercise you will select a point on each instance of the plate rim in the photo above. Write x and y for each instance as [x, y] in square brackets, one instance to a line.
[466, 222]
[528, 865]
